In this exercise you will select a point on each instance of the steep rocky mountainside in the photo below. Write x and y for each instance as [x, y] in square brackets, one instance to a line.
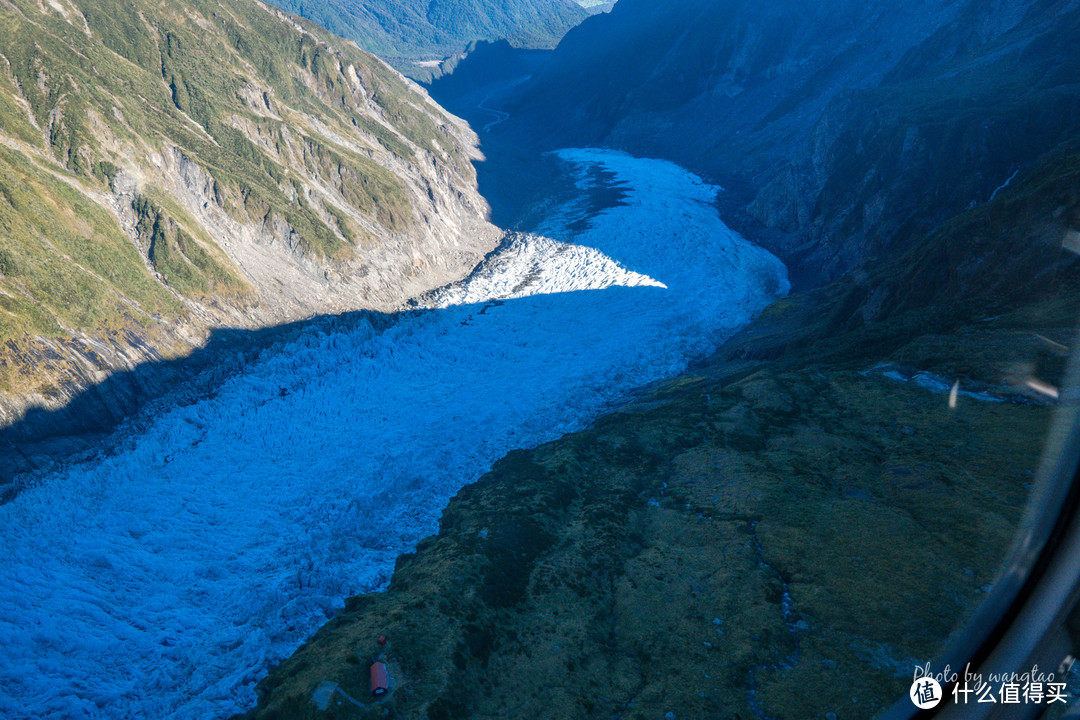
[833, 141]
[416, 34]
[169, 168]
[653, 64]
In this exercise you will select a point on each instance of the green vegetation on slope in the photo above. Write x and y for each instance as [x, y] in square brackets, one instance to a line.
[64, 261]
[112, 110]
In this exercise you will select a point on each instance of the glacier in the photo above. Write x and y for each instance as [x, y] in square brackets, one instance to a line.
[164, 579]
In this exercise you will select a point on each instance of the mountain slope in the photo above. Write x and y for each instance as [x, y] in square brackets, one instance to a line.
[651, 63]
[831, 139]
[168, 168]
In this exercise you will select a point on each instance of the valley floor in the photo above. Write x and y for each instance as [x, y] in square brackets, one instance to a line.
[164, 580]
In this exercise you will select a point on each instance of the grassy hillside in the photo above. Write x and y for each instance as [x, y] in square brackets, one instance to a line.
[148, 147]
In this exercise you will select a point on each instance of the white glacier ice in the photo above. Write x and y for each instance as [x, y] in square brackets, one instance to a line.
[164, 580]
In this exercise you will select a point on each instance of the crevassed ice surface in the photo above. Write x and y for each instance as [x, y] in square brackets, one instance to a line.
[164, 580]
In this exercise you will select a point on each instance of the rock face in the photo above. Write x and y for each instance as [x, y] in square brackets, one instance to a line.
[168, 169]
[855, 127]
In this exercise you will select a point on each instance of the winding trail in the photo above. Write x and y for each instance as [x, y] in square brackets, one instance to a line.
[500, 115]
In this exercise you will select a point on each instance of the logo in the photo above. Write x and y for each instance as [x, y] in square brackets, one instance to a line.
[925, 693]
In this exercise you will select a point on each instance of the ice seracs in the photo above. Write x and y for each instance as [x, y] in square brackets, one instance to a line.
[164, 580]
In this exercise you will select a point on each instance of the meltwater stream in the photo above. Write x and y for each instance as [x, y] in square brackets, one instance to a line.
[164, 580]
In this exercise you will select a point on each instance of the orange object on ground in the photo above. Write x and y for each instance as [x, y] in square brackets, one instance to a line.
[380, 679]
